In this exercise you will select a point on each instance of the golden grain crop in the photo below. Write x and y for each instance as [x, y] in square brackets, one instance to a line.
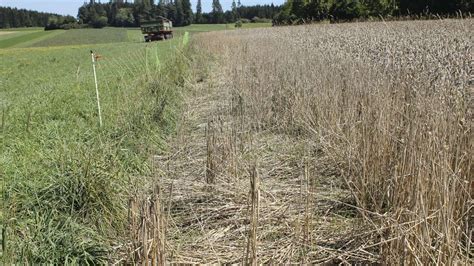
[390, 103]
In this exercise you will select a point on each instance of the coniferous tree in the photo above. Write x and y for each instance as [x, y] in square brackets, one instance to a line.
[172, 13]
[178, 21]
[199, 12]
[235, 15]
[188, 13]
[297, 8]
[217, 12]
[352, 9]
[13, 17]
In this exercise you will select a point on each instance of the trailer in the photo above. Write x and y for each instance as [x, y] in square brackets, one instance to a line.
[161, 29]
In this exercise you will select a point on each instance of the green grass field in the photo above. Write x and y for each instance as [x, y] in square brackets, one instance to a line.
[4, 35]
[22, 37]
[22, 29]
[67, 180]
[85, 36]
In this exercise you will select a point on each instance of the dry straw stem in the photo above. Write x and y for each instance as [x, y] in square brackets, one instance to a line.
[147, 223]
[254, 202]
[309, 195]
[210, 163]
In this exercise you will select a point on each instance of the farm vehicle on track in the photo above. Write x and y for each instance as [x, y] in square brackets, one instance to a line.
[161, 29]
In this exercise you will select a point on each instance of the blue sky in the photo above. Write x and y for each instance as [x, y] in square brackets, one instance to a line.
[69, 7]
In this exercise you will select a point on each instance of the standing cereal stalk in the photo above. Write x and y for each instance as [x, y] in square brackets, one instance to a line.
[254, 195]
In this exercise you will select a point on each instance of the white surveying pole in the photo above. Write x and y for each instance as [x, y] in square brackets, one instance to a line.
[96, 87]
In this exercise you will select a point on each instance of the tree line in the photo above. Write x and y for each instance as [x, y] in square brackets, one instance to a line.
[125, 14]
[299, 11]
[237, 12]
[17, 18]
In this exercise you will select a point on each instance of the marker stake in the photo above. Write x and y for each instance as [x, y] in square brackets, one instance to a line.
[96, 88]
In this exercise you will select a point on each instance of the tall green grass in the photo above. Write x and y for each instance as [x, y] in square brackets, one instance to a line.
[67, 181]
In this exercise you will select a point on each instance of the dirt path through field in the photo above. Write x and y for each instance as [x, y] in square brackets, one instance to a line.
[5, 32]
[303, 210]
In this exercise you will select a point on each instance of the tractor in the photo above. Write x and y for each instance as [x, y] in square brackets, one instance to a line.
[157, 30]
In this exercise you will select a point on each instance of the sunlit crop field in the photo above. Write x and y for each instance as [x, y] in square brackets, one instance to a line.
[390, 105]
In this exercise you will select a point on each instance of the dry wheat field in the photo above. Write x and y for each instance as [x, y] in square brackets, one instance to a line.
[347, 143]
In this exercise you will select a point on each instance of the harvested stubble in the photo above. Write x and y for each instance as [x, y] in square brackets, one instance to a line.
[147, 229]
[391, 106]
[221, 222]
[211, 215]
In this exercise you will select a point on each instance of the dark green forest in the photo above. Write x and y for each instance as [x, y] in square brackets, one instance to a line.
[124, 14]
[300, 11]
[15, 18]
[237, 11]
